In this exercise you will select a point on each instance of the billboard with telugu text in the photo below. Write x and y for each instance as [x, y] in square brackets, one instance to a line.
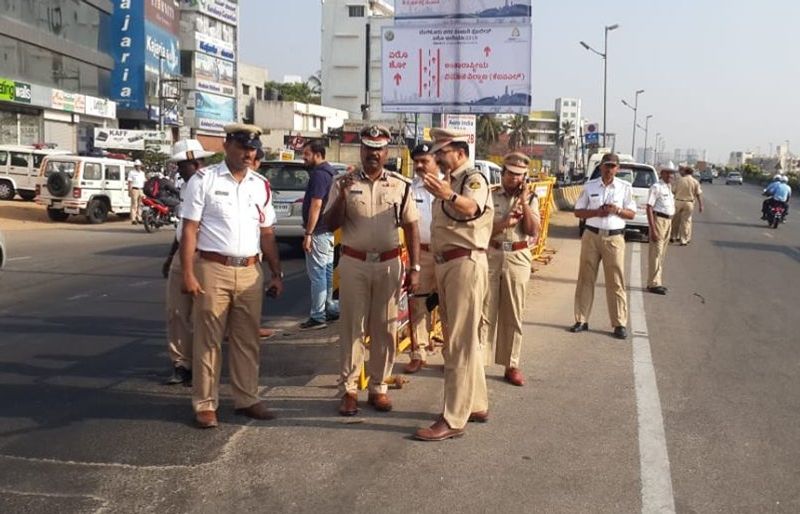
[474, 68]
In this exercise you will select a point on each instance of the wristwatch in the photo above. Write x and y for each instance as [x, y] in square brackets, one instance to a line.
[453, 197]
[416, 267]
[278, 275]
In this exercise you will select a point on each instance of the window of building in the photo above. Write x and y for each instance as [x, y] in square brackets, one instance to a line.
[355, 11]
[245, 90]
[259, 93]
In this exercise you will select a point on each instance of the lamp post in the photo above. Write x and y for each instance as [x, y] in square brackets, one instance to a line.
[655, 154]
[634, 107]
[645, 128]
[604, 55]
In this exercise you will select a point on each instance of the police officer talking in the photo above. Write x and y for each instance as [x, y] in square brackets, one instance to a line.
[227, 220]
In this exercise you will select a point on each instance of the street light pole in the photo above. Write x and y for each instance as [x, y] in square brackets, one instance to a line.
[645, 128]
[635, 108]
[604, 55]
[655, 153]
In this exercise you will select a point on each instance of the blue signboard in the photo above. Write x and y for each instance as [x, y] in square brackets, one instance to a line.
[159, 42]
[128, 50]
[214, 107]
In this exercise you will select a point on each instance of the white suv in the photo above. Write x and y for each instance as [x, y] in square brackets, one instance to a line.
[93, 186]
[641, 177]
[19, 169]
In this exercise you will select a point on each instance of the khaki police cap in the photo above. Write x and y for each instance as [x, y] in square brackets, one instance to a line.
[443, 137]
[516, 162]
[375, 136]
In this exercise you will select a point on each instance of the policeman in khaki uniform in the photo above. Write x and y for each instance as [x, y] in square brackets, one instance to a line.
[516, 222]
[460, 230]
[687, 190]
[660, 209]
[605, 203]
[188, 155]
[227, 224]
[370, 205]
[424, 163]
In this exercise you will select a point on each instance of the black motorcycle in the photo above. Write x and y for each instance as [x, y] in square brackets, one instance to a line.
[775, 214]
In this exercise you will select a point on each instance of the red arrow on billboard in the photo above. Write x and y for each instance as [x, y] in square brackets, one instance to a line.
[397, 78]
[487, 51]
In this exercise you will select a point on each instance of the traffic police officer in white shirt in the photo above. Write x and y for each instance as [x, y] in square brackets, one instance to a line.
[605, 203]
[136, 180]
[424, 163]
[227, 220]
[660, 210]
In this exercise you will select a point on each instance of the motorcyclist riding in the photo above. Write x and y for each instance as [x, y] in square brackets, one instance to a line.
[779, 193]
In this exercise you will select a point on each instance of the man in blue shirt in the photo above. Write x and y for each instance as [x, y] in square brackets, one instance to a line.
[318, 240]
[778, 192]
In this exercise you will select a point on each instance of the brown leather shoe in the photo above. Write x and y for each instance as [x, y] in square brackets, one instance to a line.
[349, 405]
[439, 431]
[413, 366]
[514, 376]
[380, 401]
[479, 417]
[206, 419]
[256, 411]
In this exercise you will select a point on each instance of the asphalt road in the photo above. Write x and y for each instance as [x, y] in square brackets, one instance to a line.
[87, 426]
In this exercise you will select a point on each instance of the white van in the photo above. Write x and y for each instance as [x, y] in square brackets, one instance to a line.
[92, 186]
[489, 170]
[19, 169]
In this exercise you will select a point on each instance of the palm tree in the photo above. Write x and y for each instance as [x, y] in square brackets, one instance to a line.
[488, 130]
[314, 83]
[518, 133]
[564, 139]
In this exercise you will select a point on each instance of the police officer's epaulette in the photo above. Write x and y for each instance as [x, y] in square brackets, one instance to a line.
[262, 177]
[399, 176]
[495, 187]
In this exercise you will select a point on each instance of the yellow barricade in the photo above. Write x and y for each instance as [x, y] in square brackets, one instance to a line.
[544, 191]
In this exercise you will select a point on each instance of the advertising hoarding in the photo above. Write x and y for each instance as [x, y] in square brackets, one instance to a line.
[224, 10]
[119, 139]
[127, 49]
[159, 42]
[211, 69]
[463, 10]
[214, 107]
[214, 47]
[475, 68]
[164, 13]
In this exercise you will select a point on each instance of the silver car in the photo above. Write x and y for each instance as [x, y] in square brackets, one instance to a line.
[734, 177]
[288, 181]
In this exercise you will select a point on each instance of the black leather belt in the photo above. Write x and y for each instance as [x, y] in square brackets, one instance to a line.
[605, 233]
[662, 215]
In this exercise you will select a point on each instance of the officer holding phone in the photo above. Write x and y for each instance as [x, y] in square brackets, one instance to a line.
[516, 224]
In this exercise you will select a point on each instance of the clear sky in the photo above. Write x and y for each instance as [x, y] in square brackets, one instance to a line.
[720, 75]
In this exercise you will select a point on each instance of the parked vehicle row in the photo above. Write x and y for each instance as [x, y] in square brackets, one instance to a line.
[19, 169]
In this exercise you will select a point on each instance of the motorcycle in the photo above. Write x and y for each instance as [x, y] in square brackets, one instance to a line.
[156, 215]
[775, 215]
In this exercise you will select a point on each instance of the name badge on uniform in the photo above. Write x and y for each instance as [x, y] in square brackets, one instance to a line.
[419, 200]
[595, 194]
[356, 192]
[221, 193]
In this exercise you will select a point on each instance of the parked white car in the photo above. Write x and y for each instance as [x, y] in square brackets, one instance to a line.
[91, 186]
[489, 170]
[19, 169]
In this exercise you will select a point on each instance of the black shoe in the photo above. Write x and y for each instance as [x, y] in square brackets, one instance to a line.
[180, 375]
[658, 290]
[331, 316]
[311, 323]
[763, 217]
[620, 333]
[579, 327]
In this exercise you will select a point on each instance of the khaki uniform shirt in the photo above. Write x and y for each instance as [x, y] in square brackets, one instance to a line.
[375, 210]
[449, 229]
[505, 203]
[687, 189]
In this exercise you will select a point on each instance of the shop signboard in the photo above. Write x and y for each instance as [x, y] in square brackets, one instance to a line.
[211, 69]
[13, 91]
[100, 107]
[214, 107]
[66, 101]
[128, 51]
[214, 47]
[224, 10]
[119, 139]
[164, 13]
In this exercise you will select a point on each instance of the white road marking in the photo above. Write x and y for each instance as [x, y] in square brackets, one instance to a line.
[15, 259]
[767, 234]
[77, 297]
[656, 479]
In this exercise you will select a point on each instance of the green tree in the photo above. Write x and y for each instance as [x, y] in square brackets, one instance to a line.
[564, 139]
[518, 133]
[294, 92]
[488, 131]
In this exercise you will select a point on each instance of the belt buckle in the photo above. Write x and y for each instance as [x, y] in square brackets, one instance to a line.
[238, 262]
[508, 246]
[373, 257]
[439, 258]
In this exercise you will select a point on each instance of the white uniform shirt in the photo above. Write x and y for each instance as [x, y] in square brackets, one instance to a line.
[230, 213]
[136, 178]
[424, 202]
[596, 194]
[661, 199]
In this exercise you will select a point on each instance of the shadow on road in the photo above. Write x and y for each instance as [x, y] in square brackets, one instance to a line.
[732, 224]
[791, 252]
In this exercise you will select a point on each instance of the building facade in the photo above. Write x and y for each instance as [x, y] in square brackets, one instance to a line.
[55, 72]
[569, 112]
[289, 124]
[251, 81]
[351, 56]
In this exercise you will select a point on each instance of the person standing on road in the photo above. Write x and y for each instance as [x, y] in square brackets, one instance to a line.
[188, 155]
[461, 227]
[516, 223]
[424, 164]
[318, 240]
[605, 203]
[227, 219]
[660, 209]
[370, 206]
[136, 180]
[686, 190]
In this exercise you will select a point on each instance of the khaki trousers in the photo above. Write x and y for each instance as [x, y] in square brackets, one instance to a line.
[368, 295]
[682, 221]
[180, 332]
[657, 250]
[462, 285]
[230, 306]
[420, 317]
[509, 273]
[136, 202]
[611, 250]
